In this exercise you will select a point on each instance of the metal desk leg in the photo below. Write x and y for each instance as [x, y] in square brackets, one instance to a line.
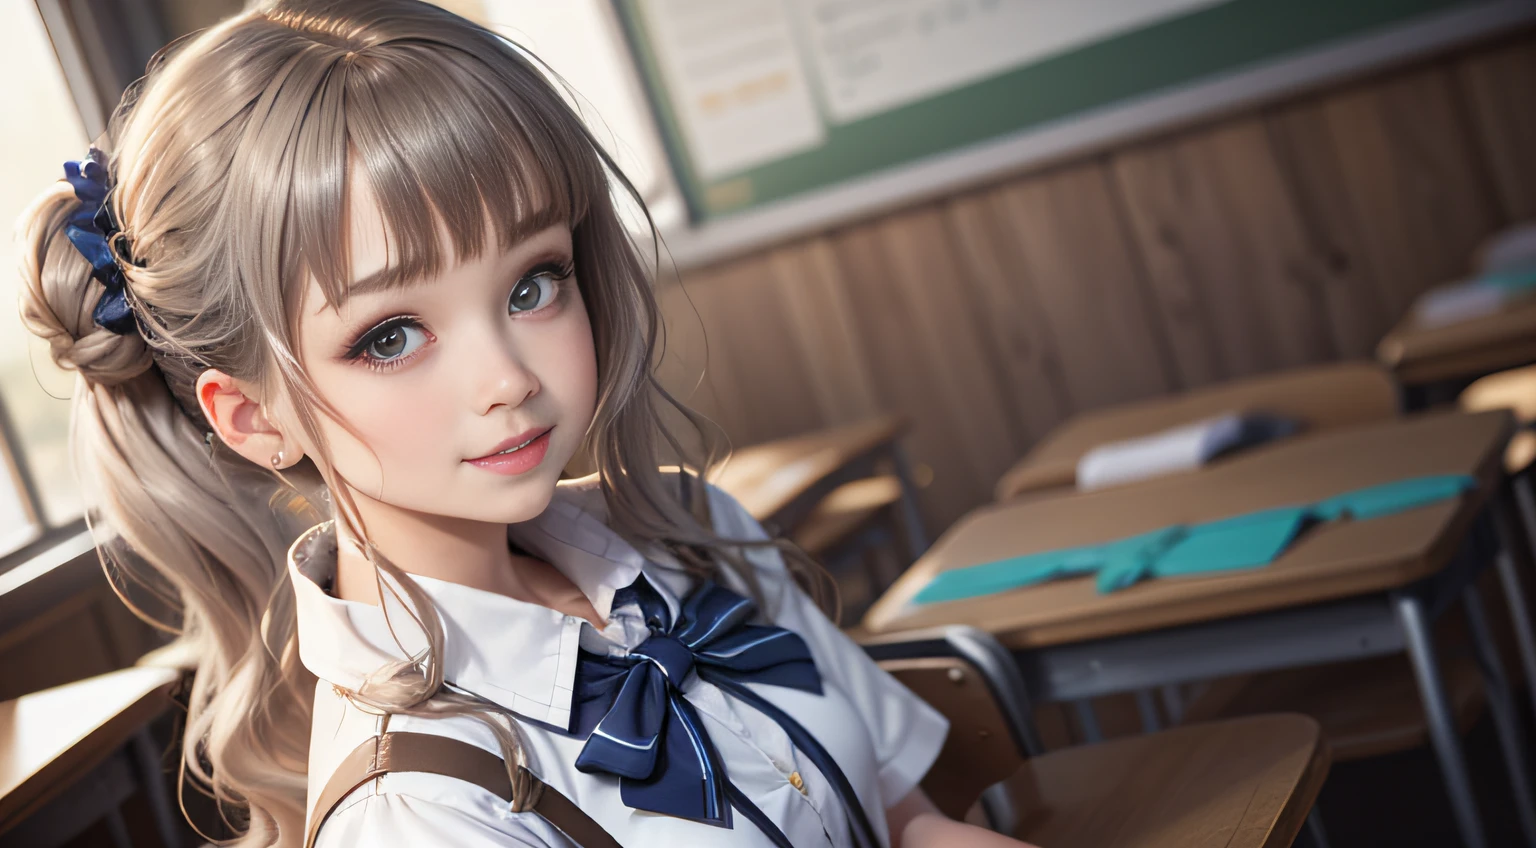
[1313, 833]
[1520, 616]
[1089, 721]
[1501, 703]
[1437, 715]
[998, 805]
[1147, 706]
[1173, 702]
[152, 779]
[1509, 574]
[911, 517]
[1525, 505]
[117, 829]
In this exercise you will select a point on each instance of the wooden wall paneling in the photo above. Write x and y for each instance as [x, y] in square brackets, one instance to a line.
[1499, 88]
[1222, 241]
[772, 374]
[825, 328]
[1062, 235]
[913, 302]
[684, 366]
[1008, 310]
[1387, 174]
[753, 367]
[1358, 312]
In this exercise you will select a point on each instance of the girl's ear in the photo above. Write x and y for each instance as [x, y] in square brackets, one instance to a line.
[231, 407]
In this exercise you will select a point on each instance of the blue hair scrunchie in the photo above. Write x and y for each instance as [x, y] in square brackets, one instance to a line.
[91, 228]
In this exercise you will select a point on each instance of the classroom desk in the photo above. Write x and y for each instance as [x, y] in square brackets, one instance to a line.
[1344, 590]
[781, 482]
[1321, 398]
[1461, 351]
[51, 739]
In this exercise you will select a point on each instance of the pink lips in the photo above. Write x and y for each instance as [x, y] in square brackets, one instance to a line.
[519, 461]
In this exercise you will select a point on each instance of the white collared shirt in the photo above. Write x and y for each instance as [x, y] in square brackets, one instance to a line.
[523, 657]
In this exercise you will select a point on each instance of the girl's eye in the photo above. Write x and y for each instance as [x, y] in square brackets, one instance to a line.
[389, 343]
[537, 290]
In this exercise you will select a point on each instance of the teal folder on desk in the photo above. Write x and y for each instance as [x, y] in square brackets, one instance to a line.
[1244, 541]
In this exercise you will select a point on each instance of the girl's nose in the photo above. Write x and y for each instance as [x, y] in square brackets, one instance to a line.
[501, 377]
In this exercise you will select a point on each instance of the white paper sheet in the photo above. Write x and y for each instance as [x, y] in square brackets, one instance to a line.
[736, 80]
[1183, 448]
[873, 55]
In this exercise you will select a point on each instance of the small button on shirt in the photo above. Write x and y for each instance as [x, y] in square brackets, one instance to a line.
[523, 657]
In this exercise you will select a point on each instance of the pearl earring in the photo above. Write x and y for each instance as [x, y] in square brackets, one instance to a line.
[277, 460]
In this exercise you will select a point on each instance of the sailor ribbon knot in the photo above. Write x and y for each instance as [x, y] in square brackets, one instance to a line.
[640, 727]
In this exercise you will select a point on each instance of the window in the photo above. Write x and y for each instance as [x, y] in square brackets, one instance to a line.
[39, 129]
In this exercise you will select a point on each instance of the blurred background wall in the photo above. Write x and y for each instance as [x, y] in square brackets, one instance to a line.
[1290, 232]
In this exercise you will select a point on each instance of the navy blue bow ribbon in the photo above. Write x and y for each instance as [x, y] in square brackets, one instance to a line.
[641, 728]
[91, 228]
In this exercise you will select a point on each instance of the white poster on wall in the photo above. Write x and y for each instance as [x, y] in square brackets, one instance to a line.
[870, 56]
[737, 82]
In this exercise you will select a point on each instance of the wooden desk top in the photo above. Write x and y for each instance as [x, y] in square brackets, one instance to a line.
[50, 738]
[1321, 398]
[1244, 783]
[768, 477]
[1462, 350]
[1333, 560]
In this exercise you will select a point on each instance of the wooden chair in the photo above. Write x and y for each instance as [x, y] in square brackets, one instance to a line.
[1514, 390]
[855, 534]
[839, 493]
[1243, 783]
[71, 754]
[1421, 356]
[1323, 397]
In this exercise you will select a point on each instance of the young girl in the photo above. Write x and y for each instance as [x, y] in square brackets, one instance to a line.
[360, 261]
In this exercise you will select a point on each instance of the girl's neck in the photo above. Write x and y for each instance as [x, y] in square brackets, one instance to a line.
[470, 553]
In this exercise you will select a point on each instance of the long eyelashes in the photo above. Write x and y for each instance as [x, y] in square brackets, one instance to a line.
[556, 270]
[538, 289]
[404, 333]
[379, 331]
[396, 340]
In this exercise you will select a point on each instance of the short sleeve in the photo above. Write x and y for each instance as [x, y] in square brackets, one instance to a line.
[405, 820]
[907, 733]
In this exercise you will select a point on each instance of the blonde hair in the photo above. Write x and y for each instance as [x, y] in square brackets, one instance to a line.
[232, 159]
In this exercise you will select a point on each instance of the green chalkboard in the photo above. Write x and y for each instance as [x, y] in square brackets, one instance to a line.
[1194, 47]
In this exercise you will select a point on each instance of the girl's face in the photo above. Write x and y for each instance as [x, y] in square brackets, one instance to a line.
[470, 391]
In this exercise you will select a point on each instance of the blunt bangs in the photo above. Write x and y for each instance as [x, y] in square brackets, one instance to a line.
[448, 141]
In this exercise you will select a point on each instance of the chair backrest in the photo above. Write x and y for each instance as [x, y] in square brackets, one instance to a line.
[1321, 398]
[1515, 390]
[965, 674]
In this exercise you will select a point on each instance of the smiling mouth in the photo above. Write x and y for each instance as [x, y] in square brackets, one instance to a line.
[532, 440]
[516, 448]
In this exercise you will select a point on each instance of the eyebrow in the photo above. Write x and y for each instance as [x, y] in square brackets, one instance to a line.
[387, 277]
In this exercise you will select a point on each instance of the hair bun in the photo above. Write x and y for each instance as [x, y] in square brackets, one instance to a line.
[59, 296]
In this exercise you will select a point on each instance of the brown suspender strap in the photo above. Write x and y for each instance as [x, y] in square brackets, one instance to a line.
[425, 752]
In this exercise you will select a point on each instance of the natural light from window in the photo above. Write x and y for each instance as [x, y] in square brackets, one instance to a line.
[39, 129]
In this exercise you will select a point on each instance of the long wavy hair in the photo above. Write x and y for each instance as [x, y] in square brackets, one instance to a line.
[231, 160]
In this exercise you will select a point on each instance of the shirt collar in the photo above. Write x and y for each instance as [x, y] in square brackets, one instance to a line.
[520, 655]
